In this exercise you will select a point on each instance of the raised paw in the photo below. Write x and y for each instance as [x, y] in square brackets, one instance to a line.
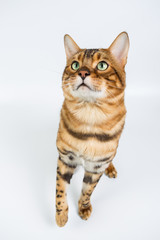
[111, 171]
[62, 217]
[85, 212]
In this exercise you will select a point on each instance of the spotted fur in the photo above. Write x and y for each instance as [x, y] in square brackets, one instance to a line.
[92, 119]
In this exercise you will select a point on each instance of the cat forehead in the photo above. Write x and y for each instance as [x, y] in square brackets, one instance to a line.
[91, 53]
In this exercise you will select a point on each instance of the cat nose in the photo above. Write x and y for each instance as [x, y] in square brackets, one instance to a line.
[83, 74]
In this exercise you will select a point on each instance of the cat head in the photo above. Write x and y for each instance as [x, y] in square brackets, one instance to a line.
[92, 74]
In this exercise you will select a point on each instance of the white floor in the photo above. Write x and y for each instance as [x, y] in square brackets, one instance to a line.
[124, 208]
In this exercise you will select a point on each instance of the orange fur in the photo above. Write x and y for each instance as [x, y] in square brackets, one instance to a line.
[92, 118]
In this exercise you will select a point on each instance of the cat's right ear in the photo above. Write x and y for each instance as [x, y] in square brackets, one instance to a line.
[71, 48]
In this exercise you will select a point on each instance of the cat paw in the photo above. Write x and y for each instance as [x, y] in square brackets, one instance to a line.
[85, 213]
[62, 218]
[111, 172]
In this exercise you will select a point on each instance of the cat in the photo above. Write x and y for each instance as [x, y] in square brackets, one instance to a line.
[92, 118]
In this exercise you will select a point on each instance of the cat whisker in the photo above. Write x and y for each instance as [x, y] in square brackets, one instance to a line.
[63, 86]
[97, 80]
[111, 94]
[66, 83]
[114, 97]
[115, 87]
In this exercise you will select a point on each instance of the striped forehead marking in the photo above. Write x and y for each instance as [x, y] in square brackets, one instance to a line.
[90, 52]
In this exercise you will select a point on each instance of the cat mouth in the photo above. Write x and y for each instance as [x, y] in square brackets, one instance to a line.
[83, 84]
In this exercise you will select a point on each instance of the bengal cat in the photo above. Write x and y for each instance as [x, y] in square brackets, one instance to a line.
[92, 118]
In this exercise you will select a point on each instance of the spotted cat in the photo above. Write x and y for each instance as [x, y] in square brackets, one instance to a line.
[92, 118]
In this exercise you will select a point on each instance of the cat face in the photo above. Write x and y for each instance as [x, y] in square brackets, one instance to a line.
[92, 74]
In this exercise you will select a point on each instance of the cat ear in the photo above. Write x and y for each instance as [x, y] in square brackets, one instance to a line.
[71, 47]
[119, 48]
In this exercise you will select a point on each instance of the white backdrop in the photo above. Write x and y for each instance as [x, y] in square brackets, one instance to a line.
[32, 60]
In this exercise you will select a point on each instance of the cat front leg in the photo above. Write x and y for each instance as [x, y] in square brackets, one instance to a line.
[90, 181]
[64, 175]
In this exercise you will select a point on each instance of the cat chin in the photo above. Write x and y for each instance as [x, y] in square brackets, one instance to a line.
[85, 94]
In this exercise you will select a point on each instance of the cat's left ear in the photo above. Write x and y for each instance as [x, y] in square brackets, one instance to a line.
[71, 48]
[119, 48]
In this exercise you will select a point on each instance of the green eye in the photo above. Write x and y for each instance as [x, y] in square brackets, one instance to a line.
[102, 66]
[75, 65]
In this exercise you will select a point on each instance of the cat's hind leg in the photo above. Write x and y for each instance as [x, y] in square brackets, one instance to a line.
[90, 181]
[111, 172]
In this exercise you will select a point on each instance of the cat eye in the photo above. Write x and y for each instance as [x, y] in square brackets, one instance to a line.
[75, 65]
[102, 66]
